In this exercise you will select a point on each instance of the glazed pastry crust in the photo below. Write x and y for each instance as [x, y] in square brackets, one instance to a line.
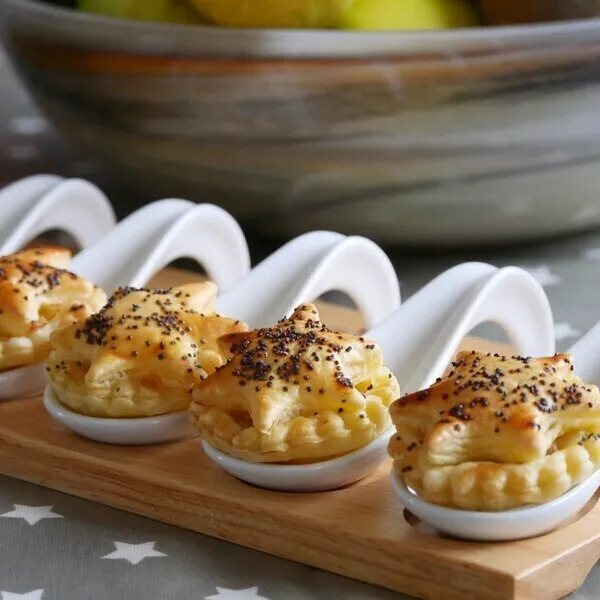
[497, 433]
[141, 354]
[295, 392]
[38, 296]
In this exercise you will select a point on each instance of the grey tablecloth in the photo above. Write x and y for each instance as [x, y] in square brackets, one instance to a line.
[56, 547]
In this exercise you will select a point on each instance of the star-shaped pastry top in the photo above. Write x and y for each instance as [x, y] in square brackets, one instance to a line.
[134, 553]
[31, 514]
[295, 388]
[250, 593]
[153, 340]
[34, 595]
[35, 288]
[495, 408]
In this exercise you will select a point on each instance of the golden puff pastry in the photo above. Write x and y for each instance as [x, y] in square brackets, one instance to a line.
[38, 296]
[141, 354]
[295, 392]
[497, 433]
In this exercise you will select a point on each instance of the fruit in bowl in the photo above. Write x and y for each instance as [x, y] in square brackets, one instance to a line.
[489, 129]
[409, 14]
[296, 14]
[273, 13]
[163, 11]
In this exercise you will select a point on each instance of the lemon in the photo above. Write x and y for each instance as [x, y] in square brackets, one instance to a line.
[274, 13]
[165, 11]
[409, 14]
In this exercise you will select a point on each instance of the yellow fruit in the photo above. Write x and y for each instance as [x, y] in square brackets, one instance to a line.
[409, 14]
[273, 13]
[164, 11]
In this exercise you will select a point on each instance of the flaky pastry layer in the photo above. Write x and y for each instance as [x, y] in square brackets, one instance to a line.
[497, 486]
[37, 297]
[141, 354]
[498, 433]
[295, 392]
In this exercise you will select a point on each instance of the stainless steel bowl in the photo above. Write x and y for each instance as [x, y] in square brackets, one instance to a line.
[432, 138]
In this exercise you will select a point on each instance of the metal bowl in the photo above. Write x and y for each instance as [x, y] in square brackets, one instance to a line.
[431, 138]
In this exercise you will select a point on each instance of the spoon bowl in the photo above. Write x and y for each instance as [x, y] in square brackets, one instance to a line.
[125, 432]
[313, 477]
[515, 524]
[22, 382]
[522, 522]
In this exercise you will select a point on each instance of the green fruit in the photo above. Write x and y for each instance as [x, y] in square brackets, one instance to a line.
[409, 14]
[164, 11]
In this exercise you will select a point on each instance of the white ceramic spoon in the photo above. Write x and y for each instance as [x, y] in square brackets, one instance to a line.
[41, 203]
[419, 340]
[300, 271]
[306, 268]
[507, 525]
[17, 199]
[523, 522]
[141, 245]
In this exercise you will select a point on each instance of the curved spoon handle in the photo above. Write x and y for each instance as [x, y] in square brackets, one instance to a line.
[45, 202]
[161, 232]
[421, 338]
[359, 268]
[252, 295]
[309, 266]
[586, 353]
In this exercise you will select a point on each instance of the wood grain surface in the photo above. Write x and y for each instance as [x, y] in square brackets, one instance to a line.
[361, 531]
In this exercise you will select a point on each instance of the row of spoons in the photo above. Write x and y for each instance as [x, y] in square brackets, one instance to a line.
[418, 338]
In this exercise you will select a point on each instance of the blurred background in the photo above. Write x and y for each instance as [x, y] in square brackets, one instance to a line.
[456, 142]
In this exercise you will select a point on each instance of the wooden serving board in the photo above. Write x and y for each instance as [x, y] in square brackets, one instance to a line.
[361, 531]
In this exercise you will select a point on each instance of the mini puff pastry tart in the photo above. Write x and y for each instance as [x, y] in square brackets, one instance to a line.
[141, 354]
[498, 433]
[38, 296]
[295, 392]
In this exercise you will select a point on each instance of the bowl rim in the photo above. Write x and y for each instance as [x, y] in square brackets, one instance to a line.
[110, 33]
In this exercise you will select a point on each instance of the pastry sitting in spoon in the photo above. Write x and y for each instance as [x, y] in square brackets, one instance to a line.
[498, 433]
[141, 354]
[38, 296]
[295, 393]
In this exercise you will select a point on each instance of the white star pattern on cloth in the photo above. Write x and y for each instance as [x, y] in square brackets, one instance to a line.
[31, 514]
[227, 594]
[543, 275]
[133, 553]
[563, 331]
[592, 254]
[35, 595]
